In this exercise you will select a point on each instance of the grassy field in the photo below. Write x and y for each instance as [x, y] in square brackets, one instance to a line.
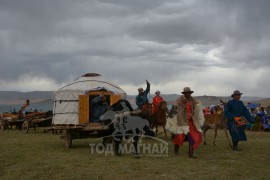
[44, 156]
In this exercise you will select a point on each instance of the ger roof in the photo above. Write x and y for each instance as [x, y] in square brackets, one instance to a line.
[91, 82]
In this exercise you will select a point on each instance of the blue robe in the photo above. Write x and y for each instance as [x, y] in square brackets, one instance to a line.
[233, 109]
[141, 99]
[98, 108]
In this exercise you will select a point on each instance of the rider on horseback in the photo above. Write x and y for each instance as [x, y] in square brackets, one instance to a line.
[156, 101]
[141, 98]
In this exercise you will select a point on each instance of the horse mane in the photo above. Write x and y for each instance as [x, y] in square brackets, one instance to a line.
[118, 107]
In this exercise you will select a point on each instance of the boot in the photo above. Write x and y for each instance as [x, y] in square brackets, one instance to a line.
[176, 149]
[235, 146]
[191, 151]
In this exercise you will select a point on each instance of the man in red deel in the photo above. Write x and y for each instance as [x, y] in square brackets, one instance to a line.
[156, 101]
[188, 120]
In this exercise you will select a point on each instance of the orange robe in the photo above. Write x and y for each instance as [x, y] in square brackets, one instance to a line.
[156, 101]
[194, 137]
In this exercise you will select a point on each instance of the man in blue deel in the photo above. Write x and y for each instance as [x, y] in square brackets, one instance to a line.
[99, 106]
[141, 98]
[235, 109]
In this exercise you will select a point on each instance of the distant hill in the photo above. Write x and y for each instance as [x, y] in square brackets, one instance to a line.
[45, 97]
[15, 97]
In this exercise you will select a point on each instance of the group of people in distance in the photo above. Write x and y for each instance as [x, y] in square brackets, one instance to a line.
[188, 117]
[263, 112]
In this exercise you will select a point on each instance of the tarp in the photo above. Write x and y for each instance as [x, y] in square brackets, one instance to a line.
[253, 105]
[66, 100]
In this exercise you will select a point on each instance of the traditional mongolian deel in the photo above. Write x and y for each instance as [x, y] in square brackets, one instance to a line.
[156, 101]
[141, 98]
[189, 120]
[236, 108]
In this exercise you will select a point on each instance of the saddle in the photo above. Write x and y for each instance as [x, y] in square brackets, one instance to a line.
[240, 121]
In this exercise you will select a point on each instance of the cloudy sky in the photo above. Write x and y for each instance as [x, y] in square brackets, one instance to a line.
[213, 46]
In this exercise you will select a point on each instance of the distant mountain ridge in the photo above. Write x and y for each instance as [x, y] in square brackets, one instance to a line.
[15, 97]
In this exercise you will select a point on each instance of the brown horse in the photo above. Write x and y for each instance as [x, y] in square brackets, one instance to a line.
[146, 113]
[160, 117]
[216, 121]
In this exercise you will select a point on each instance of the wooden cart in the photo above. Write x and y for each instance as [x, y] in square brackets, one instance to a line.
[8, 123]
[91, 130]
[8, 120]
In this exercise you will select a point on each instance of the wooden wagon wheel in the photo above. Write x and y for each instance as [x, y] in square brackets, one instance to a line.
[2, 125]
[68, 138]
[25, 127]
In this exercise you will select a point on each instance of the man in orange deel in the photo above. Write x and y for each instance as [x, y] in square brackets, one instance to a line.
[156, 101]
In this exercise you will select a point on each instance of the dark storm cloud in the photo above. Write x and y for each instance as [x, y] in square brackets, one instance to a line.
[166, 41]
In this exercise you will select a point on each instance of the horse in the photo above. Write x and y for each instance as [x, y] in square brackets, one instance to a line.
[216, 121]
[160, 117]
[146, 112]
[124, 123]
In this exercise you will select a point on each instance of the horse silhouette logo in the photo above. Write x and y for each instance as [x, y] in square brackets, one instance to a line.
[126, 124]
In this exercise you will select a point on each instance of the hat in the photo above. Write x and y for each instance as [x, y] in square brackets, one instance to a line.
[236, 92]
[157, 92]
[187, 90]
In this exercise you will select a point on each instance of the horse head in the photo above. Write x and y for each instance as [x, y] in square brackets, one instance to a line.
[121, 105]
[108, 115]
[147, 109]
[163, 106]
[174, 110]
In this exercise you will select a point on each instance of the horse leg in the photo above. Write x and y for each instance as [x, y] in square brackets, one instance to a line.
[215, 136]
[226, 133]
[163, 125]
[135, 144]
[117, 149]
[204, 132]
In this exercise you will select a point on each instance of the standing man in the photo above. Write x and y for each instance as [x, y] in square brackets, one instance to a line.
[25, 109]
[156, 101]
[141, 98]
[188, 120]
[236, 109]
[99, 106]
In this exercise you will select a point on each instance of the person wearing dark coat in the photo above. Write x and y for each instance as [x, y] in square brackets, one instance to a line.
[141, 98]
[99, 106]
[233, 109]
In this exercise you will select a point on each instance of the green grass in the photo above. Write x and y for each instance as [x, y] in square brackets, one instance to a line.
[44, 156]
